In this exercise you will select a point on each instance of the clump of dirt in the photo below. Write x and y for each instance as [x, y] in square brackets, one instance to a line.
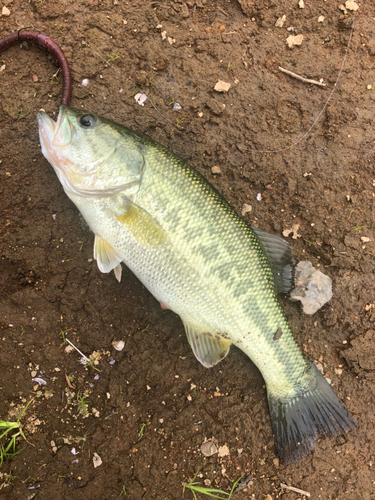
[147, 409]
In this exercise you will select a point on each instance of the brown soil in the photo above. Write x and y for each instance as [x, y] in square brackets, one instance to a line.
[49, 283]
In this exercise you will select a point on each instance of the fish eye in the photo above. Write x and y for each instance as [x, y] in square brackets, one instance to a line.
[87, 121]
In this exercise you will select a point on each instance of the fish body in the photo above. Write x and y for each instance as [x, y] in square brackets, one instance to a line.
[152, 211]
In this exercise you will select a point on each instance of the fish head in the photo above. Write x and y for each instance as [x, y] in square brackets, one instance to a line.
[92, 156]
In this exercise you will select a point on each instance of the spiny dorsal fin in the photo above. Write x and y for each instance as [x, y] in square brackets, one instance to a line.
[208, 348]
[106, 257]
[280, 258]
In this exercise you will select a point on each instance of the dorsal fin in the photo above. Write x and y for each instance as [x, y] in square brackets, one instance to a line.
[208, 348]
[280, 258]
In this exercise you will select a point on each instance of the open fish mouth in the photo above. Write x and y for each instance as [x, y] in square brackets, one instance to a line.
[58, 134]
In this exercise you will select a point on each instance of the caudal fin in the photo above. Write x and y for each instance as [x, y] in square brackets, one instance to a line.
[315, 410]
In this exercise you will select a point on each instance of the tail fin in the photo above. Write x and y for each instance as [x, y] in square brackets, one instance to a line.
[297, 423]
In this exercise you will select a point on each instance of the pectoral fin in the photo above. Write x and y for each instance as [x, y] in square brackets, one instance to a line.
[141, 225]
[106, 257]
[208, 348]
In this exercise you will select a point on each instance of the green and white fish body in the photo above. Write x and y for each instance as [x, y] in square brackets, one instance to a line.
[152, 211]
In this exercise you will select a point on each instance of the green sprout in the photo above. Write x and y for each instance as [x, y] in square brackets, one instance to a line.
[210, 492]
[20, 115]
[63, 333]
[123, 492]
[111, 58]
[11, 430]
[55, 79]
[90, 362]
[145, 329]
[358, 228]
[141, 432]
[83, 403]
[178, 121]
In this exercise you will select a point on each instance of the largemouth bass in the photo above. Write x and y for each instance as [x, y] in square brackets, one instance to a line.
[152, 211]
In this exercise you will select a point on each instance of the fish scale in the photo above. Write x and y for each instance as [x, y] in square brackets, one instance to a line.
[240, 309]
[152, 211]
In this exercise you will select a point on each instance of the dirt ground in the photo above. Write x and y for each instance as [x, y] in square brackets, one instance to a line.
[150, 406]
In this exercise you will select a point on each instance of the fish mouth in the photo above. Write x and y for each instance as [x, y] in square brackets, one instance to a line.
[58, 134]
[55, 137]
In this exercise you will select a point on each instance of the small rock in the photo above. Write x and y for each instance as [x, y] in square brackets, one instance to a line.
[365, 239]
[301, 4]
[245, 209]
[215, 170]
[176, 107]
[35, 78]
[280, 22]
[5, 11]
[68, 349]
[96, 460]
[293, 40]
[209, 448]
[200, 114]
[34, 373]
[320, 19]
[349, 4]
[222, 86]
[276, 462]
[314, 289]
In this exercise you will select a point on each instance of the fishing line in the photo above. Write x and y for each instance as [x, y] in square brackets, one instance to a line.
[306, 134]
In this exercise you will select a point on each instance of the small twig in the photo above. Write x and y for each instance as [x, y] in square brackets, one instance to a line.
[81, 353]
[223, 11]
[306, 80]
[297, 490]
[243, 484]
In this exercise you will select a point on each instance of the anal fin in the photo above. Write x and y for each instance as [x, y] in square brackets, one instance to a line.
[106, 257]
[208, 348]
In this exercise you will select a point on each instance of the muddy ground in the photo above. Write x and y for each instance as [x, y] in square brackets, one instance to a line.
[149, 412]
